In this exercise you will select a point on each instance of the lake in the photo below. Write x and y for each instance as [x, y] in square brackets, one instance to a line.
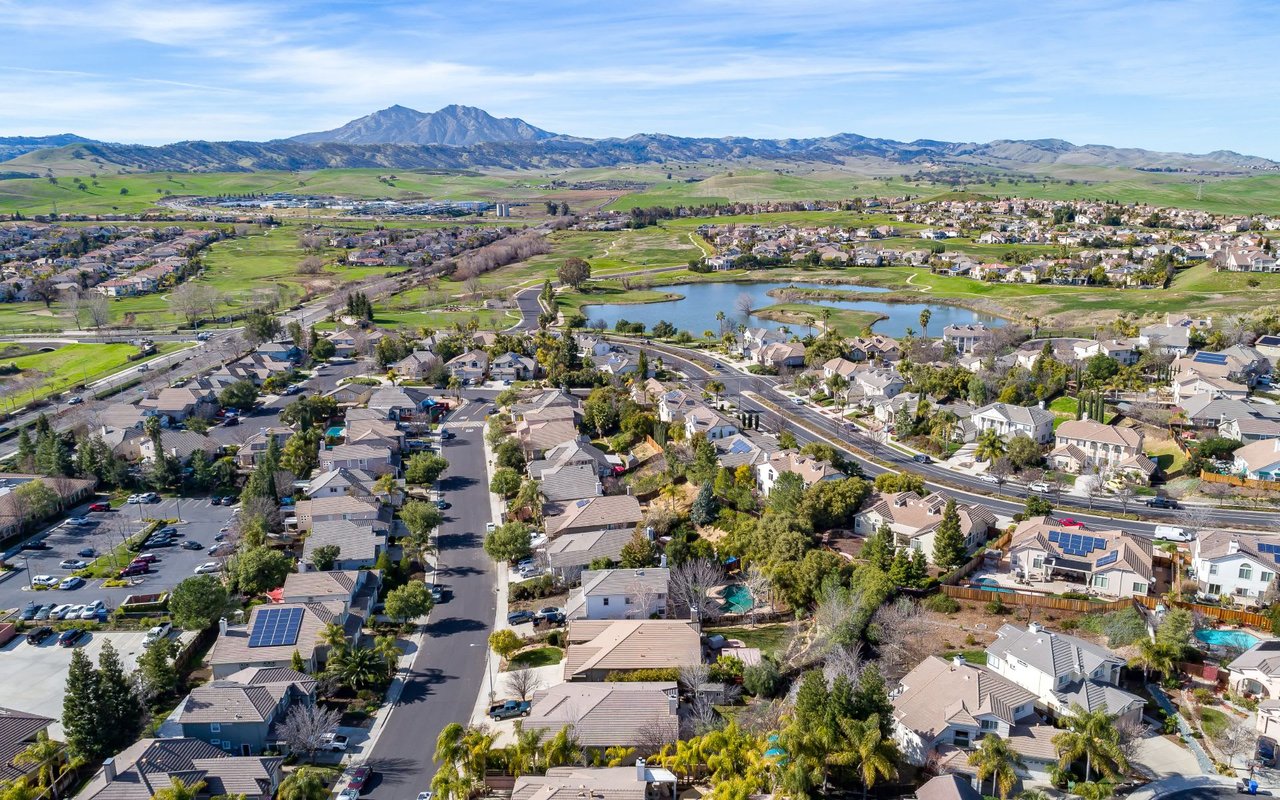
[696, 311]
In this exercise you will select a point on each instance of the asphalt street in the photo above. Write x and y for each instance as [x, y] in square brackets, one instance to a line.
[448, 670]
[530, 308]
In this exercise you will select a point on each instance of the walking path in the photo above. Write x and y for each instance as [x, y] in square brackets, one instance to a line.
[1206, 763]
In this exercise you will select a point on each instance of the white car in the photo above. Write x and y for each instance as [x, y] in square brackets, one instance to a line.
[45, 581]
[424, 795]
[333, 742]
[208, 568]
[59, 610]
[72, 612]
[988, 478]
[73, 563]
[79, 521]
[1038, 486]
[158, 632]
[1170, 533]
[134, 499]
[91, 610]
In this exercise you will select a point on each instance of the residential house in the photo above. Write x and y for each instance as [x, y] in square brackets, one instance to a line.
[914, 520]
[646, 393]
[513, 367]
[256, 445]
[1010, 420]
[18, 731]
[243, 711]
[742, 450]
[640, 782]
[1085, 445]
[811, 470]
[340, 482]
[274, 632]
[575, 452]
[644, 715]
[589, 345]
[179, 445]
[571, 482]
[600, 648]
[673, 405]
[619, 364]
[329, 508]
[1125, 351]
[359, 543]
[874, 347]
[546, 430]
[709, 422]
[943, 709]
[1110, 563]
[1190, 384]
[1258, 460]
[1256, 672]
[1063, 671]
[948, 786]
[570, 554]
[286, 352]
[351, 587]
[620, 594]
[1234, 564]
[418, 364]
[781, 355]
[547, 401]
[470, 368]
[367, 458]
[402, 403]
[148, 765]
[615, 512]
[968, 337]
[756, 339]
[180, 403]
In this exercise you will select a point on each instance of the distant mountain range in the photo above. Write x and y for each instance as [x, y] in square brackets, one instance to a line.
[14, 146]
[459, 126]
[463, 137]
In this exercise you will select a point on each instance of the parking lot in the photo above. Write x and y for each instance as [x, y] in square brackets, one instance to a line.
[201, 523]
[34, 676]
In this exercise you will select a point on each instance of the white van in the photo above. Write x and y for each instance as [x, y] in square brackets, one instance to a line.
[1172, 533]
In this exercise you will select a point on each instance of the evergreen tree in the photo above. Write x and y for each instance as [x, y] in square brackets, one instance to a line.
[871, 696]
[26, 450]
[80, 709]
[948, 542]
[878, 547]
[900, 569]
[119, 707]
[639, 552]
[262, 482]
[642, 366]
[704, 507]
[919, 572]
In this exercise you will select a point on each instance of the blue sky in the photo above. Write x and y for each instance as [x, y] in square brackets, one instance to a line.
[1188, 76]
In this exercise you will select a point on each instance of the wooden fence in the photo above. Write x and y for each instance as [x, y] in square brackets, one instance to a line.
[1032, 600]
[960, 573]
[1236, 480]
[1232, 615]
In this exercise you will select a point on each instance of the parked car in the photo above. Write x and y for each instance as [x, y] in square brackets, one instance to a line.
[71, 611]
[58, 610]
[134, 569]
[148, 497]
[359, 777]
[71, 582]
[44, 581]
[38, 635]
[43, 612]
[1038, 486]
[1068, 522]
[443, 505]
[208, 568]
[168, 531]
[1160, 501]
[424, 795]
[519, 617]
[448, 435]
[231, 422]
[158, 632]
[1171, 533]
[550, 614]
[333, 742]
[36, 544]
[191, 544]
[72, 563]
[29, 611]
[72, 637]
[91, 610]
[509, 709]
[75, 400]
[222, 549]
[134, 499]
[79, 521]
[99, 506]
[86, 552]
[922, 458]
[437, 594]
[146, 558]
[989, 478]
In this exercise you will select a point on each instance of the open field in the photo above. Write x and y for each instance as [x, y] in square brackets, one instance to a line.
[846, 322]
[76, 364]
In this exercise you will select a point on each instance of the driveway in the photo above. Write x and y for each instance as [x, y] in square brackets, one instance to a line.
[34, 676]
[201, 522]
[1160, 757]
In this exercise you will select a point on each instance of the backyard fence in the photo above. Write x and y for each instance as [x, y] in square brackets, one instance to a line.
[1232, 615]
[1236, 480]
[960, 573]
[1012, 598]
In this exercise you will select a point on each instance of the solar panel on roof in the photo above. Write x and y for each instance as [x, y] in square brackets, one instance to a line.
[1109, 558]
[1263, 547]
[1209, 358]
[1053, 536]
[276, 627]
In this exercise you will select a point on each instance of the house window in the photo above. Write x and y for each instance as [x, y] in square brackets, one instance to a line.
[606, 601]
[1037, 562]
[1266, 577]
[960, 738]
[1215, 588]
[988, 724]
[1139, 588]
[1100, 581]
[1213, 569]
[1242, 592]
[215, 727]
[1246, 572]
[628, 601]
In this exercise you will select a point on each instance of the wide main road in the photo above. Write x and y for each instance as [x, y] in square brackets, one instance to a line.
[802, 421]
[449, 669]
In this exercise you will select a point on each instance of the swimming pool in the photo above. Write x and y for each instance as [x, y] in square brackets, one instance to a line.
[335, 432]
[737, 599]
[1238, 640]
[991, 585]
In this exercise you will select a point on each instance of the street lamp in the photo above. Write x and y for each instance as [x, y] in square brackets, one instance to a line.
[26, 564]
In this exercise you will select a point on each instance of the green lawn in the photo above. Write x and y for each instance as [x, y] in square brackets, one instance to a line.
[74, 365]
[978, 657]
[846, 321]
[1213, 721]
[772, 638]
[539, 657]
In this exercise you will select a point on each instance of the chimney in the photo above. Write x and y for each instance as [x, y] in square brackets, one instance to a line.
[1233, 546]
[641, 772]
[673, 703]
[109, 769]
[957, 661]
[1034, 627]
[222, 626]
[1041, 404]
[1084, 415]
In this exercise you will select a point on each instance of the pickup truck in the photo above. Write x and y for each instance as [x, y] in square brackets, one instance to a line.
[510, 709]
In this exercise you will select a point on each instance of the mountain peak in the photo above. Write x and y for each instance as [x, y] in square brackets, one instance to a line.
[455, 125]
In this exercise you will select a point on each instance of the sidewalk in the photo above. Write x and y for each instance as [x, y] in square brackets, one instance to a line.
[479, 713]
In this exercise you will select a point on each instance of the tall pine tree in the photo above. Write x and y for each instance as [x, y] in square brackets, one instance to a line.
[80, 722]
[948, 542]
[119, 707]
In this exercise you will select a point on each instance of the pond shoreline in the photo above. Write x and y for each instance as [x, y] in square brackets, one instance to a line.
[801, 294]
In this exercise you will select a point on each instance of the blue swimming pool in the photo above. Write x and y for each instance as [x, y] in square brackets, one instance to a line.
[737, 599]
[1238, 640]
[991, 585]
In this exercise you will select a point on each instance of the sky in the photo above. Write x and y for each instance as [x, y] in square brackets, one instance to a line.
[1159, 74]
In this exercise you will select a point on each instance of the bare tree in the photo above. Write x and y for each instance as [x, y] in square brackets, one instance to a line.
[1216, 491]
[523, 682]
[72, 297]
[643, 597]
[190, 301]
[847, 661]
[1092, 485]
[690, 584]
[99, 310]
[903, 637]
[311, 265]
[760, 588]
[1131, 732]
[656, 734]
[305, 725]
[745, 304]
[1236, 740]
[694, 680]
[471, 286]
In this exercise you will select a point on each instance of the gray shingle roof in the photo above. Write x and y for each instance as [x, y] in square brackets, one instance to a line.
[1052, 653]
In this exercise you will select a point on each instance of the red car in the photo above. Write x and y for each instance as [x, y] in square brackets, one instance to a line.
[100, 507]
[1070, 523]
[359, 777]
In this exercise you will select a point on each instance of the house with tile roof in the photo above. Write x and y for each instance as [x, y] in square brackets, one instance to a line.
[1234, 564]
[376, 458]
[332, 507]
[1110, 563]
[148, 765]
[571, 553]
[1258, 460]
[541, 433]
[513, 367]
[781, 355]
[620, 594]
[945, 708]
[640, 782]
[811, 470]
[243, 711]
[967, 337]
[1103, 446]
[947, 786]
[275, 632]
[1256, 672]
[673, 405]
[568, 483]
[709, 422]
[743, 450]
[1009, 420]
[644, 715]
[578, 451]
[359, 542]
[598, 648]
[471, 367]
[614, 512]
[1063, 671]
[18, 730]
[914, 520]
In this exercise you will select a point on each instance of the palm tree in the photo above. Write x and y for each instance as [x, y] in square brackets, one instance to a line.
[1154, 657]
[925, 316]
[561, 749]
[716, 388]
[20, 790]
[306, 783]
[990, 446]
[357, 667]
[477, 746]
[389, 650]
[671, 492]
[386, 486]
[454, 385]
[864, 747]
[334, 636]
[618, 756]
[522, 757]
[1091, 735]
[996, 760]
[49, 756]
[529, 498]
[1095, 790]
[179, 790]
[837, 387]
[826, 319]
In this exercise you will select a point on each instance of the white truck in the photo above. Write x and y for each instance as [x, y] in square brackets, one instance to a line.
[1171, 533]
